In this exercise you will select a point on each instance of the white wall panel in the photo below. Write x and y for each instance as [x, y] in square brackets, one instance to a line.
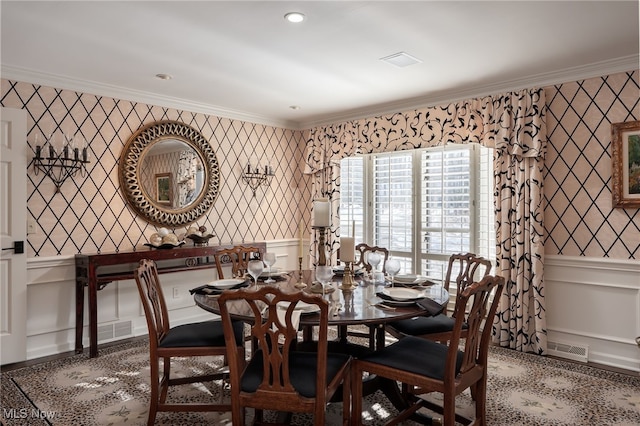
[595, 303]
[51, 300]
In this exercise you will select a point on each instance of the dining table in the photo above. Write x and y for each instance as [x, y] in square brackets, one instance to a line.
[367, 303]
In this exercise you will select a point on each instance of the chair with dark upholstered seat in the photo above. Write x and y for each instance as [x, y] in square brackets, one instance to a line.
[278, 377]
[424, 366]
[187, 340]
[238, 257]
[470, 268]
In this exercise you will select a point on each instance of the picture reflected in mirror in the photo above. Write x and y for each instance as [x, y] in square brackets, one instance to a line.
[179, 160]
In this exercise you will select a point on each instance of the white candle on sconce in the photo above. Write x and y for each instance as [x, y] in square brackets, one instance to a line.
[322, 212]
[347, 249]
[300, 247]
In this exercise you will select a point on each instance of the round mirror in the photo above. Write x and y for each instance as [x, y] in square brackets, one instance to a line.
[169, 173]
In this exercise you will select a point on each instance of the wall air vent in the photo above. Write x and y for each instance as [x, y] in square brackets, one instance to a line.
[569, 351]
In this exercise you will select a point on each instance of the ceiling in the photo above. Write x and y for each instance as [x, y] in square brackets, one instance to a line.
[242, 60]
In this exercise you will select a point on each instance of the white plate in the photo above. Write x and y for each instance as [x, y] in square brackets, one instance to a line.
[403, 294]
[409, 279]
[306, 308]
[222, 284]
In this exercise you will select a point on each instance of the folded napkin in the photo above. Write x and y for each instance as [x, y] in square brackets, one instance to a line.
[209, 289]
[429, 305]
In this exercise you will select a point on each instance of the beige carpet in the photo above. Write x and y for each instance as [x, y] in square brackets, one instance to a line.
[113, 389]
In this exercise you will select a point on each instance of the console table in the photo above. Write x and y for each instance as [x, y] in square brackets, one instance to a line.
[91, 273]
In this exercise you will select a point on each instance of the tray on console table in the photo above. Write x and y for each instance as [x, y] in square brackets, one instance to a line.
[92, 272]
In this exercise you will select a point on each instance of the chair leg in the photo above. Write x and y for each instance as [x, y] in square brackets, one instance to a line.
[155, 384]
[480, 401]
[356, 394]
[165, 379]
[346, 400]
[449, 409]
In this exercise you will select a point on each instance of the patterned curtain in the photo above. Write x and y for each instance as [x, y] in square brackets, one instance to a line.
[520, 321]
[513, 124]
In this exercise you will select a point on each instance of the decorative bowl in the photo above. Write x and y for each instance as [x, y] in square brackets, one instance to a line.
[200, 240]
[164, 245]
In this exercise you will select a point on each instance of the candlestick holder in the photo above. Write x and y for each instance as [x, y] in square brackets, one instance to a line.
[300, 283]
[322, 258]
[348, 283]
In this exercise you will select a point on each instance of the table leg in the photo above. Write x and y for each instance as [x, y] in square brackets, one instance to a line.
[93, 313]
[79, 315]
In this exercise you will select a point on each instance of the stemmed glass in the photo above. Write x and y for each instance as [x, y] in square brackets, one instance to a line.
[324, 275]
[269, 260]
[392, 266]
[255, 268]
[374, 260]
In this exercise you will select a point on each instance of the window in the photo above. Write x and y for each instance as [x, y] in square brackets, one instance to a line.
[423, 205]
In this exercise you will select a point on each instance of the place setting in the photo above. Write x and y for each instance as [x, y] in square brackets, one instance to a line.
[216, 287]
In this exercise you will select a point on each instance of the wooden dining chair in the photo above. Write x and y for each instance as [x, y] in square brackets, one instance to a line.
[238, 257]
[363, 260]
[469, 268]
[278, 377]
[424, 366]
[188, 340]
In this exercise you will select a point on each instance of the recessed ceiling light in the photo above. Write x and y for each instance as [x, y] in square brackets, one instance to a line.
[164, 76]
[294, 107]
[401, 59]
[294, 17]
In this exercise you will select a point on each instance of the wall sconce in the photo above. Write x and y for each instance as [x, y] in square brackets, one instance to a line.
[61, 160]
[258, 175]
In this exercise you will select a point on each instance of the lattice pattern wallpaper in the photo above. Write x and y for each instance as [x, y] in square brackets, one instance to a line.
[579, 218]
[90, 214]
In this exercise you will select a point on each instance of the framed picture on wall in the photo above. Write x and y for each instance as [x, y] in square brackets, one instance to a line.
[625, 166]
[163, 188]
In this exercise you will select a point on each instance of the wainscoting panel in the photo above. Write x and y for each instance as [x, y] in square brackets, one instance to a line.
[595, 303]
[51, 301]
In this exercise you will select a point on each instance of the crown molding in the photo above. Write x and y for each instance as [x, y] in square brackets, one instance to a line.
[623, 64]
[133, 95]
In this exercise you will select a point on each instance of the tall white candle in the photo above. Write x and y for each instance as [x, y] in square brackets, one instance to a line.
[321, 212]
[347, 249]
[300, 233]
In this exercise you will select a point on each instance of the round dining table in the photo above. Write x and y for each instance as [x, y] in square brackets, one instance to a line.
[361, 305]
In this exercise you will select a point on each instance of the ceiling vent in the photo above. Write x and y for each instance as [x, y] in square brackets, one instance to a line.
[401, 59]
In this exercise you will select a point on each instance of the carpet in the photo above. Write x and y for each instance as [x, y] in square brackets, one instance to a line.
[113, 389]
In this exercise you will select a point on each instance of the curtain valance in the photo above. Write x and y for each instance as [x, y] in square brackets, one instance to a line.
[492, 121]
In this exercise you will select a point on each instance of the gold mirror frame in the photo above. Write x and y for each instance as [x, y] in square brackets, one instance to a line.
[129, 175]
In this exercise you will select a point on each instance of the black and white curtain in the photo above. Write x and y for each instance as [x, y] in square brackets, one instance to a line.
[514, 125]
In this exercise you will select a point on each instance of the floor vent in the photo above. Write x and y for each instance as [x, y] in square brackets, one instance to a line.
[111, 331]
[569, 351]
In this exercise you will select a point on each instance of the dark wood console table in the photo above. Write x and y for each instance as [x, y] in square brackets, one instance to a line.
[91, 273]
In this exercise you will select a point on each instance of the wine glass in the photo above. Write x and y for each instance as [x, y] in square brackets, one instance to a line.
[374, 260]
[392, 266]
[324, 275]
[255, 268]
[269, 260]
